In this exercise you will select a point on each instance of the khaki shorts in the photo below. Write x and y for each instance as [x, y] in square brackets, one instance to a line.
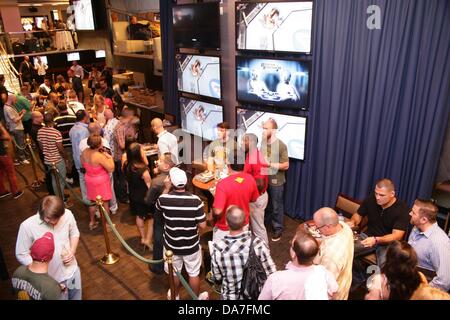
[192, 263]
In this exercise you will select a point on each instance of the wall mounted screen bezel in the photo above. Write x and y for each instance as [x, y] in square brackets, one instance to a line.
[277, 114]
[194, 132]
[238, 26]
[277, 104]
[201, 96]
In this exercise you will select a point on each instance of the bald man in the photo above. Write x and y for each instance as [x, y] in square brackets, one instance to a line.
[388, 220]
[167, 142]
[336, 249]
[26, 70]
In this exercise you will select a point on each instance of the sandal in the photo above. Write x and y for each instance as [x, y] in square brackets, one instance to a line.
[92, 226]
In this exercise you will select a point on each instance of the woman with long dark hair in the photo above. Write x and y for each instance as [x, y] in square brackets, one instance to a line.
[399, 276]
[139, 181]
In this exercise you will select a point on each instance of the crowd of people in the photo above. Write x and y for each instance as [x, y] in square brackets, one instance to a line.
[99, 148]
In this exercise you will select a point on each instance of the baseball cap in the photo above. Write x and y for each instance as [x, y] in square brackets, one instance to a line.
[178, 177]
[43, 248]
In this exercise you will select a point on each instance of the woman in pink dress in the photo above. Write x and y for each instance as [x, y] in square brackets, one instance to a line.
[98, 164]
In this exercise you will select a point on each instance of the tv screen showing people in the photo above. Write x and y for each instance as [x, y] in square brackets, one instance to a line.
[197, 25]
[73, 56]
[43, 59]
[274, 82]
[199, 75]
[274, 26]
[84, 17]
[200, 118]
[291, 129]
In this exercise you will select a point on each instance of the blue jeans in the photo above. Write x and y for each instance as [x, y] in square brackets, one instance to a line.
[82, 185]
[360, 270]
[275, 209]
[73, 285]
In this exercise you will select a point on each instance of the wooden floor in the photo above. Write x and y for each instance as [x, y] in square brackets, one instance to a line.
[129, 279]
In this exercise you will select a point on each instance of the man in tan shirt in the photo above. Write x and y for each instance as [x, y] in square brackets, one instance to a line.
[336, 249]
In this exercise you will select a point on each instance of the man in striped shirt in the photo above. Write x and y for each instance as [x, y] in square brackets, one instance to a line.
[430, 242]
[64, 122]
[230, 254]
[51, 143]
[182, 214]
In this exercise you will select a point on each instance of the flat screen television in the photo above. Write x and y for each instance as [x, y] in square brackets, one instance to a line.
[200, 118]
[73, 56]
[199, 74]
[43, 59]
[291, 129]
[197, 25]
[273, 82]
[274, 26]
[100, 54]
[84, 16]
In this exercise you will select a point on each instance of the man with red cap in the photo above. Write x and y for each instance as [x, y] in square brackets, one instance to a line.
[33, 282]
[63, 267]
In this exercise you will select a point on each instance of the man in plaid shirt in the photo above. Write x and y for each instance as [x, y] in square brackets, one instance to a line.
[230, 254]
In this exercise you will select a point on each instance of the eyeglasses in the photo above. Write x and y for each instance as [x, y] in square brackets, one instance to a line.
[318, 228]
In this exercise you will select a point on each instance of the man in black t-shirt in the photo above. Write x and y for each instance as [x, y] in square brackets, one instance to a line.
[388, 220]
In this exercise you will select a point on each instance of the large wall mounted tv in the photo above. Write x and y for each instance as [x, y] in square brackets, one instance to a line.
[200, 118]
[273, 82]
[274, 26]
[291, 129]
[199, 74]
[84, 16]
[197, 25]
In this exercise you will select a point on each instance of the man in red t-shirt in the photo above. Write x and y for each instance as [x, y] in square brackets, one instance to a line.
[237, 189]
[256, 165]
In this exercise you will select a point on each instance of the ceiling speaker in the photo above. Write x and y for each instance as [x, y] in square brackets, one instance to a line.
[33, 9]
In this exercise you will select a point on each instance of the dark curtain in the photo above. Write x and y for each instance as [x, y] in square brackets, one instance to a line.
[380, 102]
[169, 72]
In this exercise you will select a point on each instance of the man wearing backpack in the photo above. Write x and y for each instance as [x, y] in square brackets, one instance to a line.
[230, 255]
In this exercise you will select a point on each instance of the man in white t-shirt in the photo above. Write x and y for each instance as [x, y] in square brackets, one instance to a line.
[167, 142]
[53, 217]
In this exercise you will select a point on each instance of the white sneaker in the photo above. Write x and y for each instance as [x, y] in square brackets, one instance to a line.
[114, 209]
[69, 180]
[203, 296]
[169, 297]
[25, 161]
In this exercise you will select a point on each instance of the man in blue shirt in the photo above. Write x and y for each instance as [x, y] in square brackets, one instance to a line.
[77, 133]
[430, 242]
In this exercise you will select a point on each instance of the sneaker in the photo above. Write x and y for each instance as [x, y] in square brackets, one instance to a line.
[16, 163]
[169, 297]
[5, 194]
[114, 209]
[18, 194]
[276, 237]
[203, 296]
[25, 162]
[69, 180]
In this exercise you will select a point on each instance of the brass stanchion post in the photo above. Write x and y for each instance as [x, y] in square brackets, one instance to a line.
[109, 257]
[36, 183]
[58, 185]
[169, 260]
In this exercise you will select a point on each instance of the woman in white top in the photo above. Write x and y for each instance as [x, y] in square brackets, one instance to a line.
[41, 67]
[99, 109]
